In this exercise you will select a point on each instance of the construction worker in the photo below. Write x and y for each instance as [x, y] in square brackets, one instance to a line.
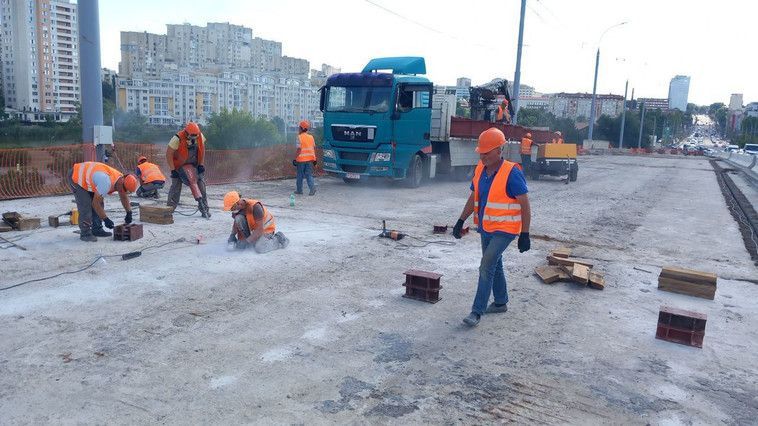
[503, 115]
[187, 147]
[558, 138]
[90, 182]
[306, 158]
[501, 210]
[526, 153]
[253, 225]
[151, 178]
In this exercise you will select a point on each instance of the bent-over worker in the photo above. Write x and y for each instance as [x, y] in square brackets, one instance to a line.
[253, 225]
[151, 178]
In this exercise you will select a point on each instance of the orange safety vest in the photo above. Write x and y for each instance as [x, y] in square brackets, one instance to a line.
[501, 213]
[83, 172]
[526, 146]
[182, 153]
[150, 172]
[269, 225]
[307, 148]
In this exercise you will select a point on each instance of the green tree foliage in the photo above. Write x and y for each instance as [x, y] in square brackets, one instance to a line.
[748, 132]
[539, 117]
[238, 130]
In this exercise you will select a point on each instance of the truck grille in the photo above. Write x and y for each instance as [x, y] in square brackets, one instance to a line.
[353, 133]
[353, 169]
[354, 156]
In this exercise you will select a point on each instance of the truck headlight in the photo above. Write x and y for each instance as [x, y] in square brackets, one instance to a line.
[329, 153]
[382, 156]
[328, 165]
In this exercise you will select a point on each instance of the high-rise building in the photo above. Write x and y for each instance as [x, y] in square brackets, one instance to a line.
[463, 87]
[40, 58]
[655, 103]
[142, 54]
[579, 105]
[735, 101]
[679, 88]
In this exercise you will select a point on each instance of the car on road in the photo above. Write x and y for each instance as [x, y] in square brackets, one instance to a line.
[751, 148]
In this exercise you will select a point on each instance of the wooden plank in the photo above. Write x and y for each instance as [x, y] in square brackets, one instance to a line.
[26, 224]
[597, 280]
[690, 275]
[163, 215]
[563, 252]
[568, 261]
[690, 289]
[4, 227]
[580, 273]
[11, 217]
[548, 274]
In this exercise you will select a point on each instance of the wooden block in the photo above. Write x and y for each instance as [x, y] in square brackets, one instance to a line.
[580, 273]
[688, 288]
[563, 252]
[53, 221]
[26, 224]
[548, 274]
[4, 227]
[597, 280]
[689, 275]
[567, 261]
[163, 215]
[11, 217]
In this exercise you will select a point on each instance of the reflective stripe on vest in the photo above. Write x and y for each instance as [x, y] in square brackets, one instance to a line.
[269, 224]
[307, 148]
[182, 153]
[83, 172]
[501, 212]
[150, 172]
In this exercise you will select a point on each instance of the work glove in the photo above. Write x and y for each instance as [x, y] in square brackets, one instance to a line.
[524, 243]
[200, 169]
[241, 244]
[108, 223]
[294, 163]
[128, 218]
[232, 239]
[457, 229]
[175, 174]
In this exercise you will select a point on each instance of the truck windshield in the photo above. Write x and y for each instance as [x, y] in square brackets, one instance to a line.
[358, 99]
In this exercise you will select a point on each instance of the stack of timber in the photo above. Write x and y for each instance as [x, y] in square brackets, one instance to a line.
[162, 215]
[562, 267]
[688, 281]
[18, 222]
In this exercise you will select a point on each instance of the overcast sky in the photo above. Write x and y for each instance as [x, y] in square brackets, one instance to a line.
[709, 41]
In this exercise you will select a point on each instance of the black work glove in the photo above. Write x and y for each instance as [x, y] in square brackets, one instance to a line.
[175, 174]
[314, 163]
[457, 229]
[128, 218]
[294, 163]
[524, 243]
[200, 169]
[108, 223]
[241, 244]
[232, 239]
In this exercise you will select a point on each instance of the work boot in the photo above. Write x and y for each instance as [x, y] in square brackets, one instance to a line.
[472, 319]
[283, 241]
[101, 233]
[299, 192]
[494, 308]
[313, 192]
[87, 236]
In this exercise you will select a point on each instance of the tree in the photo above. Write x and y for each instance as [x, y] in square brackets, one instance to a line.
[109, 92]
[130, 126]
[280, 125]
[238, 129]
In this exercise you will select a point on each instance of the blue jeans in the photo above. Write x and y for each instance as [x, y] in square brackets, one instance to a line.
[305, 169]
[491, 274]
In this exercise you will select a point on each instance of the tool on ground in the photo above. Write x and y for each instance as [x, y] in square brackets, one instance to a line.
[54, 221]
[188, 175]
[390, 233]
[12, 244]
[131, 255]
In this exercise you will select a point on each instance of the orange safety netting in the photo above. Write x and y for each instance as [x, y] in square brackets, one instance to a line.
[34, 172]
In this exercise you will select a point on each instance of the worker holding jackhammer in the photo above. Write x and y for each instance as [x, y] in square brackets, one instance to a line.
[90, 182]
[306, 158]
[253, 226]
[151, 178]
[185, 156]
[501, 210]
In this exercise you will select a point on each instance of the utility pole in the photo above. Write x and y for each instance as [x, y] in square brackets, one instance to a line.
[623, 117]
[517, 77]
[91, 86]
[642, 126]
[594, 91]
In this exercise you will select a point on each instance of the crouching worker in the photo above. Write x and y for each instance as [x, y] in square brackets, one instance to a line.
[150, 177]
[90, 182]
[253, 225]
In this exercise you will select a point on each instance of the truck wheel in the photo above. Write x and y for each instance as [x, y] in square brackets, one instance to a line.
[415, 172]
[574, 172]
[350, 181]
[463, 173]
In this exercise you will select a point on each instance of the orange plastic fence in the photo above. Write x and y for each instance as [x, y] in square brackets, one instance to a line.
[34, 172]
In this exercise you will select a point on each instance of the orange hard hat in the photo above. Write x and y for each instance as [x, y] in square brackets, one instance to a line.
[230, 199]
[528, 135]
[305, 125]
[490, 139]
[192, 128]
[141, 159]
[130, 183]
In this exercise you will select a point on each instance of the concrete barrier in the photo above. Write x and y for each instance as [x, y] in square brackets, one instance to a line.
[743, 160]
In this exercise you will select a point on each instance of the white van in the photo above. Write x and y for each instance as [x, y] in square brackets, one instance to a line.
[751, 148]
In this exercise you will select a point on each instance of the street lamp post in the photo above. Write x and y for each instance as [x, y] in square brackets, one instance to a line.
[623, 117]
[642, 126]
[517, 77]
[594, 84]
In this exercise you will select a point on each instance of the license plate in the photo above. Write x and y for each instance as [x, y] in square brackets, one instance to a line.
[352, 175]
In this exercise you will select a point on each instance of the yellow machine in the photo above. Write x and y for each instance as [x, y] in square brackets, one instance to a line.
[555, 160]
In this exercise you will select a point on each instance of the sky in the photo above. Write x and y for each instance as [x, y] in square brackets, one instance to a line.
[709, 41]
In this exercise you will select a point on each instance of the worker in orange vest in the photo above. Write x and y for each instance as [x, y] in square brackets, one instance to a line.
[558, 138]
[501, 210]
[503, 115]
[253, 225]
[90, 182]
[187, 147]
[306, 158]
[526, 153]
[151, 178]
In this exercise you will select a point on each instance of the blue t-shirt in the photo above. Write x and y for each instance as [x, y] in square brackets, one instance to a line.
[515, 186]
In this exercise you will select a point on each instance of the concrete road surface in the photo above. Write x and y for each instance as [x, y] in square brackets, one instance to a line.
[319, 333]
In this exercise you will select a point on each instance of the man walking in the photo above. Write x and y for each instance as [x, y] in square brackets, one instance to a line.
[253, 226]
[151, 178]
[306, 158]
[90, 182]
[187, 147]
[501, 210]
[526, 153]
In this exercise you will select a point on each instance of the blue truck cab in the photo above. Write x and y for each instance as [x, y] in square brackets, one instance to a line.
[377, 122]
